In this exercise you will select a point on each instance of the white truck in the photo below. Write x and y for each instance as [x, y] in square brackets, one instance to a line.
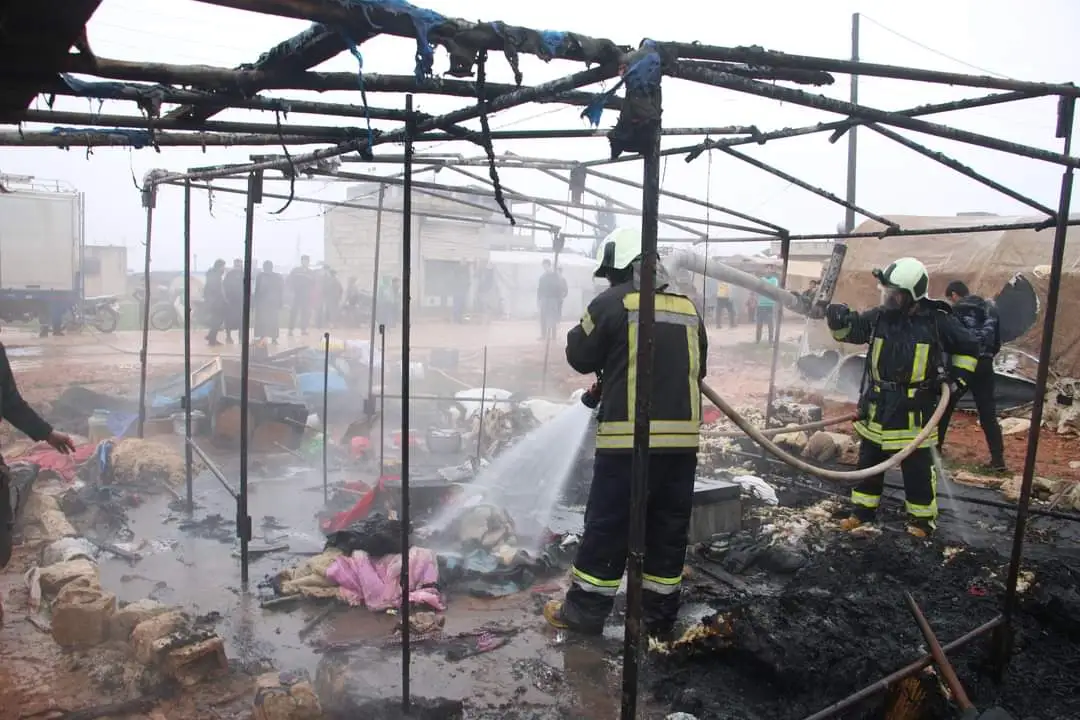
[41, 256]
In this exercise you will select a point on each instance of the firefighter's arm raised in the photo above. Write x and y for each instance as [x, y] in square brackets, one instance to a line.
[850, 326]
[587, 343]
[960, 344]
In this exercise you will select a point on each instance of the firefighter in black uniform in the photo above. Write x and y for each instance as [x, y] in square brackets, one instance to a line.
[980, 317]
[605, 342]
[915, 344]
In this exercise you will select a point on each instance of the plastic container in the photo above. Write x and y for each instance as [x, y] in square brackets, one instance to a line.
[98, 426]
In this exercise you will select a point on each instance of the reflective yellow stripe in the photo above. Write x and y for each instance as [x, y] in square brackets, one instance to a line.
[864, 500]
[631, 372]
[656, 427]
[875, 356]
[842, 333]
[591, 583]
[921, 362]
[664, 303]
[926, 512]
[625, 442]
[692, 349]
[661, 585]
[964, 362]
[661, 316]
[587, 324]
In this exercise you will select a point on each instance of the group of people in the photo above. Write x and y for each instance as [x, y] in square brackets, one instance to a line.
[310, 291]
[917, 346]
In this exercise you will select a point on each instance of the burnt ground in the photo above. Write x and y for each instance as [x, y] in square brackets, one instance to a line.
[841, 623]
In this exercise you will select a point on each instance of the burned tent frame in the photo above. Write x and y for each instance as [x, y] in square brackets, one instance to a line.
[343, 25]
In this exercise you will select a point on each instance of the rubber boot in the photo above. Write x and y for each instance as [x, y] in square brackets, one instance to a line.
[921, 528]
[553, 613]
[857, 519]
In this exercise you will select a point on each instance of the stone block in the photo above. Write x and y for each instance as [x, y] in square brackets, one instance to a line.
[56, 576]
[144, 638]
[81, 613]
[192, 664]
[125, 619]
[285, 696]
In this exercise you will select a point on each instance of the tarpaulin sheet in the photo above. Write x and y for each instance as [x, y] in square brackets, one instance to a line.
[984, 261]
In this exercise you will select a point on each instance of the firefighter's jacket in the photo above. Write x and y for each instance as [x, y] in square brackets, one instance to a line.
[606, 342]
[910, 355]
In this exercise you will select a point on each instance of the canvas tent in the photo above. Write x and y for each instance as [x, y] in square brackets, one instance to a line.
[986, 262]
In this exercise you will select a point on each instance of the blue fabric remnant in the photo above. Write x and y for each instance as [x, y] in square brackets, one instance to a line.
[423, 21]
[102, 89]
[643, 75]
[553, 41]
[137, 139]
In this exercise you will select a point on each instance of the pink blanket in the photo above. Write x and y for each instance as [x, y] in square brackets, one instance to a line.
[375, 584]
[49, 460]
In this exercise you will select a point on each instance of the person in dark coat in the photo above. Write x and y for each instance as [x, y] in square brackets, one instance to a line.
[214, 300]
[268, 299]
[301, 280]
[18, 412]
[234, 299]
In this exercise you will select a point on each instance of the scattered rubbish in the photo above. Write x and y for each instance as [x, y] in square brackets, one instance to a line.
[478, 643]
[285, 696]
[68, 548]
[375, 535]
[757, 488]
[376, 584]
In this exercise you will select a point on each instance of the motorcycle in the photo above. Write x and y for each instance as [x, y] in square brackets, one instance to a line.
[102, 313]
[165, 315]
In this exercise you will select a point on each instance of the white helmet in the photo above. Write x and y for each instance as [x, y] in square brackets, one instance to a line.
[618, 251]
[905, 274]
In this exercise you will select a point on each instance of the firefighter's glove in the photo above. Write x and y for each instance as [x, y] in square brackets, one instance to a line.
[837, 316]
[591, 397]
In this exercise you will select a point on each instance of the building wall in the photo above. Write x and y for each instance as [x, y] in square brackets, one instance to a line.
[437, 244]
[104, 270]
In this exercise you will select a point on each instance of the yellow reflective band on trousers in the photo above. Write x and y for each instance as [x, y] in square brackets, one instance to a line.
[661, 585]
[926, 512]
[964, 362]
[864, 500]
[590, 583]
[663, 434]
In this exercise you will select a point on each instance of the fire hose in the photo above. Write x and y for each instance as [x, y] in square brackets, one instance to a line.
[850, 476]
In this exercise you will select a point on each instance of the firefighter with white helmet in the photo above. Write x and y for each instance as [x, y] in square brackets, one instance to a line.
[605, 343]
[915, 344]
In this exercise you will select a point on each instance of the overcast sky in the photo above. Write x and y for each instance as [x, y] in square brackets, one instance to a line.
[1030, 41]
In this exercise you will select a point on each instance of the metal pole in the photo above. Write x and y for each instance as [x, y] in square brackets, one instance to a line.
[375, 294]
[1003, 639]
[149, 200]
[325, 415]
[382, 400]
[243, 520]
[852, 141]
[406, 282]
[188, 458]
[778, 312]
[639, 483]
[483, 396]
[945, 667]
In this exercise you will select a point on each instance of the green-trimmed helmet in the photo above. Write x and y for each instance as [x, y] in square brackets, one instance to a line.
[906, 274]
[618, 251]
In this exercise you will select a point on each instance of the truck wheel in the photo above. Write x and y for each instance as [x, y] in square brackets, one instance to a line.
[163, 317]
[106, 321]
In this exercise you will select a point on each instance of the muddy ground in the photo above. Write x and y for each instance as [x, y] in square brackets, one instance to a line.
[799, 643]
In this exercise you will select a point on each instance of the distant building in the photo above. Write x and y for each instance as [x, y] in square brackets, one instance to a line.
[443, 247]
[104, 270]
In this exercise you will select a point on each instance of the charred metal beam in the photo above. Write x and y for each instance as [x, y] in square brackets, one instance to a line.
[620, 203]
[967, 229]
[807, 186]
[693, 151]
[355, 206]
[148, 95]
[301, 52]
[517, 197]
[959, 167]
[697, 201]
[248, 82]
[462, 39]
[315, 133]
[510, 192]
[137, 139]
[761, 72]
[820, 102]
[761, 57]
